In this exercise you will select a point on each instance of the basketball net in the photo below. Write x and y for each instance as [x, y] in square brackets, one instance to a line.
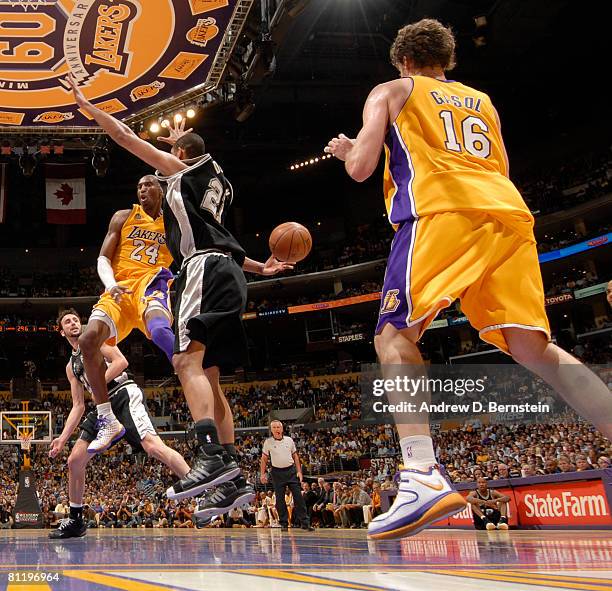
[26, 441]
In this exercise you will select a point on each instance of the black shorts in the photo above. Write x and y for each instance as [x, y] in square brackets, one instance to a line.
[130, 408]
[211, 297]
[492, 515]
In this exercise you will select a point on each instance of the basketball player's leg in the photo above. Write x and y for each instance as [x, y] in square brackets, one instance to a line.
[94, 336]
[77, 463]
[153, 305]
[210, 468]
[577, 384]
[399, 356]
[518, 325]
[159, 327]
[237, 491]
[196, 385]
[74, 527]
[155, 448]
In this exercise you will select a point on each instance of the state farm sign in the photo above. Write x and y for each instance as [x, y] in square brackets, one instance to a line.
[563, 503]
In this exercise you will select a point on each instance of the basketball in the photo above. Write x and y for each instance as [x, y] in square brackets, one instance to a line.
[290, 242]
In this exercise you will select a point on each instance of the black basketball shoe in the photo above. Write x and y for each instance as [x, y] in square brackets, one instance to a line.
[69, 528]
[225, 497]
[206, 472]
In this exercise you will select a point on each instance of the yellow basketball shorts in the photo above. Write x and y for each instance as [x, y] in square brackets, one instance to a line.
[149, 291]
[470, 256]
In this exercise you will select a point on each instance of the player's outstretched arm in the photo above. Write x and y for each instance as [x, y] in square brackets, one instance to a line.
[167, 164]
[74, 417]
[361, 155]
[117, 363]
[107, 252]
[271, 267]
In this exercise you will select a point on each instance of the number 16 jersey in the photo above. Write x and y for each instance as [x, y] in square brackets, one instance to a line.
[444, 152]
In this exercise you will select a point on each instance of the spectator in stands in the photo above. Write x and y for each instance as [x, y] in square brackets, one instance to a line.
[183, 517]
[236, 518]
[161, 516]
[582, 463]
[320, 509]
[124, 516]
[603, 463]
[310, 498]
[551, 466]
[565, 465]
[373, 509]
[354, 508]
[528, 470]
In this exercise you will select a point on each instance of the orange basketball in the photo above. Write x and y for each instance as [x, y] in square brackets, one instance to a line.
[290, 242]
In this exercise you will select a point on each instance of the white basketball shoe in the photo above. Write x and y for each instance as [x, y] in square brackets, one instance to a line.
[422, 498]
[109, 431]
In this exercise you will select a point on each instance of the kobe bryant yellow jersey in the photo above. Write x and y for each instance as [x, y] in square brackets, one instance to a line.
[444, 152]
[142, 247]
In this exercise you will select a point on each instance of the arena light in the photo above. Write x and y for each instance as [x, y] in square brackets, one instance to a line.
[165, 123]
[191, 113]
[154, 127]
[178, 118]
[309, 162]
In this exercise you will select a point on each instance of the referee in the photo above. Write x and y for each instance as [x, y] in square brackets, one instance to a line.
[286, 470]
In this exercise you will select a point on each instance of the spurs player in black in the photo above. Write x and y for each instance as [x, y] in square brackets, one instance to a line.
[211, 296]
[128, 404]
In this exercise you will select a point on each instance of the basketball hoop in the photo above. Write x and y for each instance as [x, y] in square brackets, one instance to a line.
[26, 441]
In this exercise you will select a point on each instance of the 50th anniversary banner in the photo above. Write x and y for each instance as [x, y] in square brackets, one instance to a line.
[125, 54]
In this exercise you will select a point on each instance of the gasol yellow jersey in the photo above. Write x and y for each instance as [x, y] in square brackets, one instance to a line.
[142, 247]
[444, 152]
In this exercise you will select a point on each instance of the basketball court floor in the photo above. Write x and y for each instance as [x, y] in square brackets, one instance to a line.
[212, 560]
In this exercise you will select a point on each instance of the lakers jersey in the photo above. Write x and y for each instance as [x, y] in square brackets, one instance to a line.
[444, 152]
[142, 247]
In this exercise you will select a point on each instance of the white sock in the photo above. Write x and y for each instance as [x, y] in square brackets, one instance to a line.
[76, 505]
[418, 452]
[105, 410]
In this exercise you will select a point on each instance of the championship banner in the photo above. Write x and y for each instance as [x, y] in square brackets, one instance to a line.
[66, 200]
[126, 55]
[3, 196]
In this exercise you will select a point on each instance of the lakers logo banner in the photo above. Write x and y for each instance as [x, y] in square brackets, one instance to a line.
[127, 55]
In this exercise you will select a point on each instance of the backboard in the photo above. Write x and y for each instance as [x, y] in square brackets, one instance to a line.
[14, 424]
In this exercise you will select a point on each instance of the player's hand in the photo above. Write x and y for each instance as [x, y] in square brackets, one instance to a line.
[117, 291]
[56, 446]
[339, 147]
[273, 266]
[177, 131]
[264, 479]
[300, 477]
[79, 97]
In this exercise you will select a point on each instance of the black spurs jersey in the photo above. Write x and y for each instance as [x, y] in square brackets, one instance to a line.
[78, 369]
[195, 208]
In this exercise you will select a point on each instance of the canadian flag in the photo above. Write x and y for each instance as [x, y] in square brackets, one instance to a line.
[66, 202]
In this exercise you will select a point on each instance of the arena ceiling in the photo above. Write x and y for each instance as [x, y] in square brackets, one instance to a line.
[131, 57]
[541, 62]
